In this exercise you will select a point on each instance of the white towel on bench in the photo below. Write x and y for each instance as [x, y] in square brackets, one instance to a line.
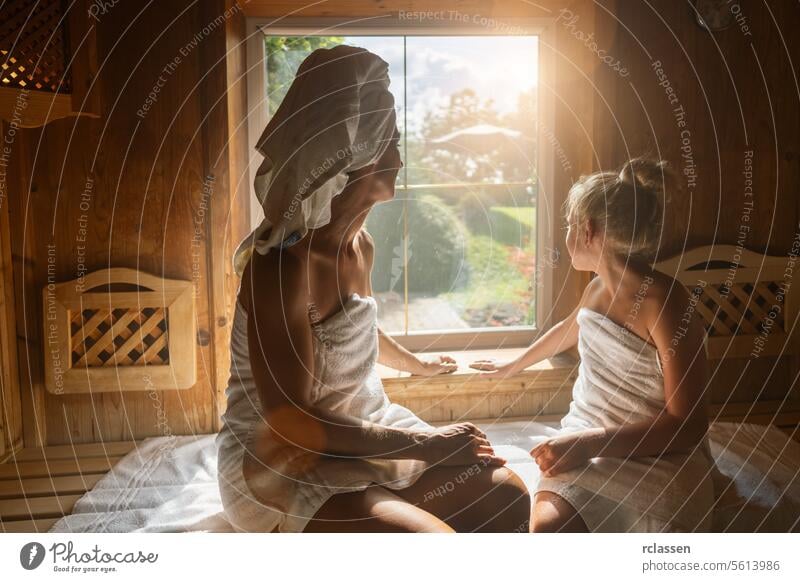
[169, 484]
[165, 484]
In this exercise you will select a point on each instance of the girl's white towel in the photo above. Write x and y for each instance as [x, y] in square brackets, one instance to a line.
[620, 381]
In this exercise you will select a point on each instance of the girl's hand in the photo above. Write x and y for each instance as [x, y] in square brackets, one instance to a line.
[495, 368]
[562, 453]
[458, 444]
[436, 366]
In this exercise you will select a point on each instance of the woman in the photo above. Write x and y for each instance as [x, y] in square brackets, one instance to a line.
[310, 441]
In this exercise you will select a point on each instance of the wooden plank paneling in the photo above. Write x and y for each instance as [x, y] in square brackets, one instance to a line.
[223, 92]
[729, 109]
[56, 468]
[129, 189]
[27, 313]
[37, 507]
[545, 388]
[28, 525]
[465, 8]
[34, 491]
[44, 486]
[53, 453]
[10, 402]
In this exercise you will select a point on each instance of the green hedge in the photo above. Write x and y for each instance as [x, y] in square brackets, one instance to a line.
[436, 246]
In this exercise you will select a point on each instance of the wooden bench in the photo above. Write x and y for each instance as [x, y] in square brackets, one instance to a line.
[40, 485]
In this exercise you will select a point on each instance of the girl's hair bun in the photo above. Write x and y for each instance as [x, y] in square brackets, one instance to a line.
[628, 205]
[653, 176]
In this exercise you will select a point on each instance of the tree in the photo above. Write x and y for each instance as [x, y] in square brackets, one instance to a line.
[506, 155]
[284, 56]
[445, 164]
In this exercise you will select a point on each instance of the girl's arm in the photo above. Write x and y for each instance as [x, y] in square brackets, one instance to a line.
[559, 338]
[684, 420]
[279, 338]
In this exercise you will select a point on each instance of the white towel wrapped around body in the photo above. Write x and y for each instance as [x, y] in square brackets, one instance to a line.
[291, 483]
[620, 381]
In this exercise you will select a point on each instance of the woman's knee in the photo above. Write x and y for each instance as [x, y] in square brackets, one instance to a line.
[511, 500]
[374, 510]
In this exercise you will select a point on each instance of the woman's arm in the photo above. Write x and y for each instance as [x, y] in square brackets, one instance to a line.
[391, 353]
[395, 356]
[684, 420]
[281, 356]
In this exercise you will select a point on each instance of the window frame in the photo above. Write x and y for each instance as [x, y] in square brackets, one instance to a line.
[546, 204]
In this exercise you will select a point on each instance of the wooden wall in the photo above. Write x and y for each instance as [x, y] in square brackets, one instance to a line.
[153, 184]
[739, 94]
[10, 402]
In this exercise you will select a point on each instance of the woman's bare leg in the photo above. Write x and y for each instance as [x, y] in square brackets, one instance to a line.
[373, 510]
[552, 513]
[473, 498]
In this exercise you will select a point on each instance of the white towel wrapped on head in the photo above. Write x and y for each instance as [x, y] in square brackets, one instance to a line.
[337, 117]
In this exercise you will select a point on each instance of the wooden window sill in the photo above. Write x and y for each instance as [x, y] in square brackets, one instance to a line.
[544, 388]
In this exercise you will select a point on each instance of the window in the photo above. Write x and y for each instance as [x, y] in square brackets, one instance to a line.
[456, 250]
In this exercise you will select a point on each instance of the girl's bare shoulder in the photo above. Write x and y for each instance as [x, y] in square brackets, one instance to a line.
[667, 301]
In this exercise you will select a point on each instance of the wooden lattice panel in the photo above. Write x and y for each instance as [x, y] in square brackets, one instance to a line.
[743, 298]
[32, 46]
[740, 309]
[119, 337]
[98, 339]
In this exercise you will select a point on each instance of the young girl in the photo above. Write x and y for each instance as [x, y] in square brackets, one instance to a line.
[632, 452]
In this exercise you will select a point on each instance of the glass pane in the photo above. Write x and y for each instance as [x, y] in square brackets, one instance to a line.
[472, 258]
[386, 225]
[470, 120]
[472, 139]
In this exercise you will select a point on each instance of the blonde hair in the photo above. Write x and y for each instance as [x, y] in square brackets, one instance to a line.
[627, 205]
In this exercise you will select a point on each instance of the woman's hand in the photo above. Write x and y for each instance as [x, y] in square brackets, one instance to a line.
[434, 367]
[562, 453]
[458, 444]
[495, 368]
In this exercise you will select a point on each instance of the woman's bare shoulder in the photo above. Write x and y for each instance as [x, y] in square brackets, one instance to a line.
[274, 278]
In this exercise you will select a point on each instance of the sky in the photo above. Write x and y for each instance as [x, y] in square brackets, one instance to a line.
[438, 66]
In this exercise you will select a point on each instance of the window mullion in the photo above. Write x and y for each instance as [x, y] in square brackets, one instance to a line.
[405, 184]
